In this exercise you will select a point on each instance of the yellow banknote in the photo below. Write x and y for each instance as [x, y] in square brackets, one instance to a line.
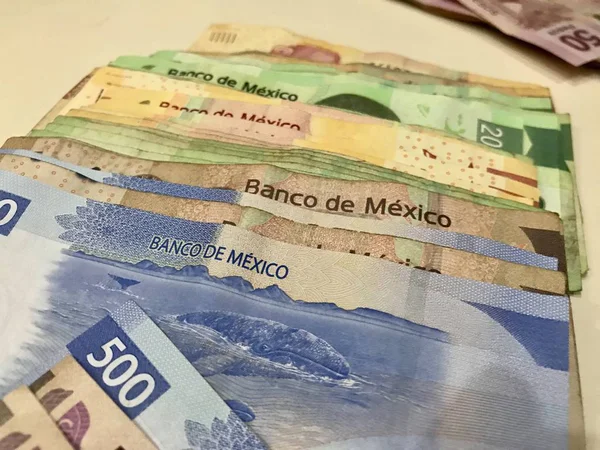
[469, 163]
[417, 154]
[297, 117]
[473, 181]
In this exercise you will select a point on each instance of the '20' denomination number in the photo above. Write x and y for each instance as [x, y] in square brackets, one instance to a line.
[128, 379]
[581, 40]
[491, 136]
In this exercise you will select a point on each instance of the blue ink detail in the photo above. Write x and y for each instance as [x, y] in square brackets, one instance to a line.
[12, 208]
[229, 435]
[92, 340]
[113, 229]
[242, 410]
[261, 340]
[124, 283]
[535, 334]
[173, 189]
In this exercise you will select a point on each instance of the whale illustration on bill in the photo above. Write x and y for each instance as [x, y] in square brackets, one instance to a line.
[240, 345]
[397, 371]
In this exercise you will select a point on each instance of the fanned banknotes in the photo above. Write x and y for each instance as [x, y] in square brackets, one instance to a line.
[163, 146]
[497, 175]
[233, 38]
[470, 119]
[535, 231]
[302, 125]
[554, 181]
[271, 241]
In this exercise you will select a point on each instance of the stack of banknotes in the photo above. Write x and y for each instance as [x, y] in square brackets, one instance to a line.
[271, 241]
[567, 29]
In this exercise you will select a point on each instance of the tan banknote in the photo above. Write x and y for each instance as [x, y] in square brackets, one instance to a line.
[25, 424]
[88, 418]
[237, 38]
[538, 231]
[333, 236]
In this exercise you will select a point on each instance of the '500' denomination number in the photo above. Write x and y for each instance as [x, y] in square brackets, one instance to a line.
[581, 40]
[128, 378]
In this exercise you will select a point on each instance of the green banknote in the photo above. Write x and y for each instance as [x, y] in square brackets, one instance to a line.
[570, 162]
[366, 74]
[164, 146]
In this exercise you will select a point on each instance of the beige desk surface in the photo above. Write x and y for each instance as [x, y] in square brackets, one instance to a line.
[46, 46]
